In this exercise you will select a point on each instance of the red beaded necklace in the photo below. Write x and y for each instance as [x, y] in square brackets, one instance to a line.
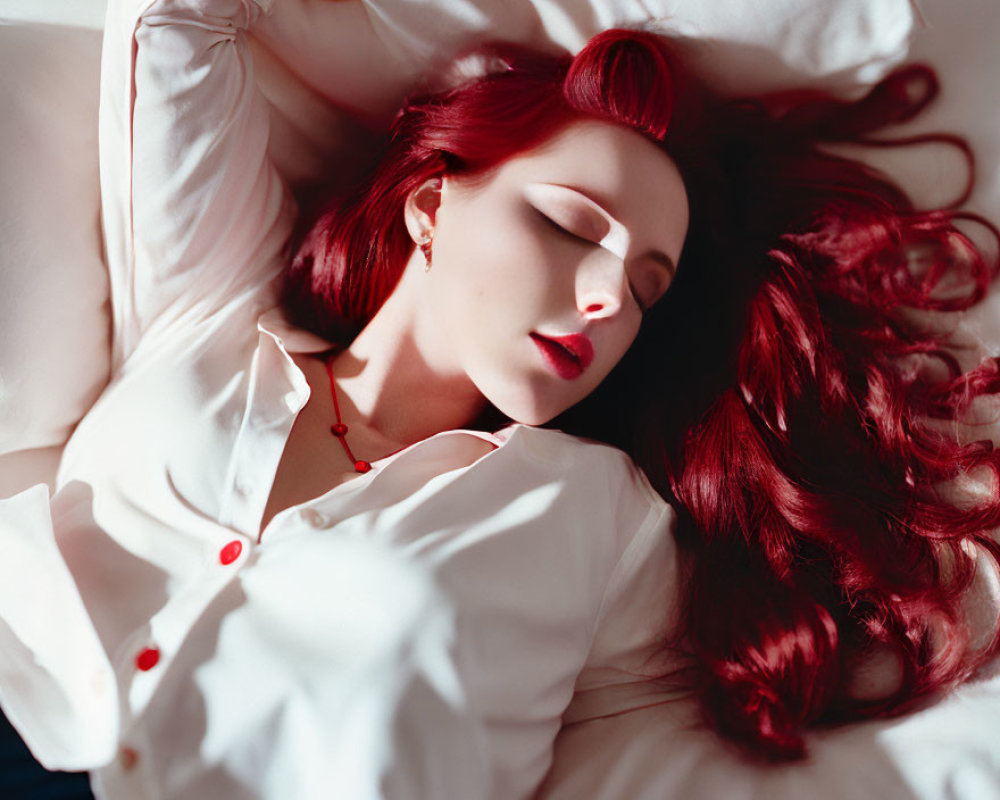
[339, 429]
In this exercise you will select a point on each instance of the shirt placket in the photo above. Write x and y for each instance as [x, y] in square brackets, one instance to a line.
[146, 656]
[277, 392]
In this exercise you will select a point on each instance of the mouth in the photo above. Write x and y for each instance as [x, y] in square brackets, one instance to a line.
[567, 356]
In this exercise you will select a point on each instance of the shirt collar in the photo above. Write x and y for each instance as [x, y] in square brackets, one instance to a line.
[291, 338]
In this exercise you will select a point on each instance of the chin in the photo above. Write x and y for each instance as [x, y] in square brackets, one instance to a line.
[531, 420]
[529, 402]
[531, 415]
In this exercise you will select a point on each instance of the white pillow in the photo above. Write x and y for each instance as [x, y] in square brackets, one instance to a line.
[749, 45]
[67, 13]
[365, 55]
[53, 286]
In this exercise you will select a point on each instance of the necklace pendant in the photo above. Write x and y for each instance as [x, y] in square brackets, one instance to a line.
[339, 428]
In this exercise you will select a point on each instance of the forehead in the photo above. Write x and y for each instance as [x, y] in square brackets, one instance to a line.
[629, 176]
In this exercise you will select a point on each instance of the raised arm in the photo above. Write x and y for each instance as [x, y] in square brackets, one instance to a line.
[195, 214]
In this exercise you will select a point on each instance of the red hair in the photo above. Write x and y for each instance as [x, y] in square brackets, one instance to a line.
[804, 426]
[355, 252]
[778, 396]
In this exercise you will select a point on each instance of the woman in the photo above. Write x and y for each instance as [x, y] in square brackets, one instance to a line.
[211, 540]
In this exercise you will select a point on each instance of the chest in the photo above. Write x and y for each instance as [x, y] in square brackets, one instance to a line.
[192, 434]
[312, 461]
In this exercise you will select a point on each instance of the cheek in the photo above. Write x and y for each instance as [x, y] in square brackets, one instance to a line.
[491, 262]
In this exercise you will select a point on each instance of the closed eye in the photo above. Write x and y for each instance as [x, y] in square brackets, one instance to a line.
[652, 288]
[583, 240]
[551, 223]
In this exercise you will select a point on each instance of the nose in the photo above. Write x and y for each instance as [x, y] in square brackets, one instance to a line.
[601, 286]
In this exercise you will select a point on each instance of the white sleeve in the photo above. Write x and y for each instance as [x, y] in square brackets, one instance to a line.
[57, 686]
[639, 613]
[195, 215]
[556, 574]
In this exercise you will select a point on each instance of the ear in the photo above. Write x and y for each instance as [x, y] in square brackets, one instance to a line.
[420, 209]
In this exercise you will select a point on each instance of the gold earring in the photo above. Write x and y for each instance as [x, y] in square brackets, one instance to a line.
[425, 246]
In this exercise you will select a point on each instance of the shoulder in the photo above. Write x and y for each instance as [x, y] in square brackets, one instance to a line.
[599, 472]
[568, 451]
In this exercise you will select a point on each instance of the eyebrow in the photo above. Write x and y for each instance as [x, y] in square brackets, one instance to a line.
[658, 256]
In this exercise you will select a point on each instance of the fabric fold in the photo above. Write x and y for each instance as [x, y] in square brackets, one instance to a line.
[59, 692]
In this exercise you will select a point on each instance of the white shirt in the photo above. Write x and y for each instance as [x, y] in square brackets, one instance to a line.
[422, 630]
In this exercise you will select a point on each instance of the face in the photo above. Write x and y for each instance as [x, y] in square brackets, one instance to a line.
[543, 269]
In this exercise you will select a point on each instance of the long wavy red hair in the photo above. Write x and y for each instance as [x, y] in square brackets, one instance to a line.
[781, 395]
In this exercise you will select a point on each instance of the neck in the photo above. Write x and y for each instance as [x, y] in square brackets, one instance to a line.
[390, 386]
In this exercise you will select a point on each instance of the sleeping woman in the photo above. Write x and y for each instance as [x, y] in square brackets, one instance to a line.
[596, 388]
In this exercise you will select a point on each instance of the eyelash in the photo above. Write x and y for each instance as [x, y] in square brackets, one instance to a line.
[559, 228]
[551, 223]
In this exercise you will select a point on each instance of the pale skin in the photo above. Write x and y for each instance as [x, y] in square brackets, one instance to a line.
[576, 237]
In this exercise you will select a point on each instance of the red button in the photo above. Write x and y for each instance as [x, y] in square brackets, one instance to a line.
[147, 659]
[229, 553]
[128, 758]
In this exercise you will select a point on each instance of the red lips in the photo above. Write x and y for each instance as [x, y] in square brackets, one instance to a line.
[568, 356]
